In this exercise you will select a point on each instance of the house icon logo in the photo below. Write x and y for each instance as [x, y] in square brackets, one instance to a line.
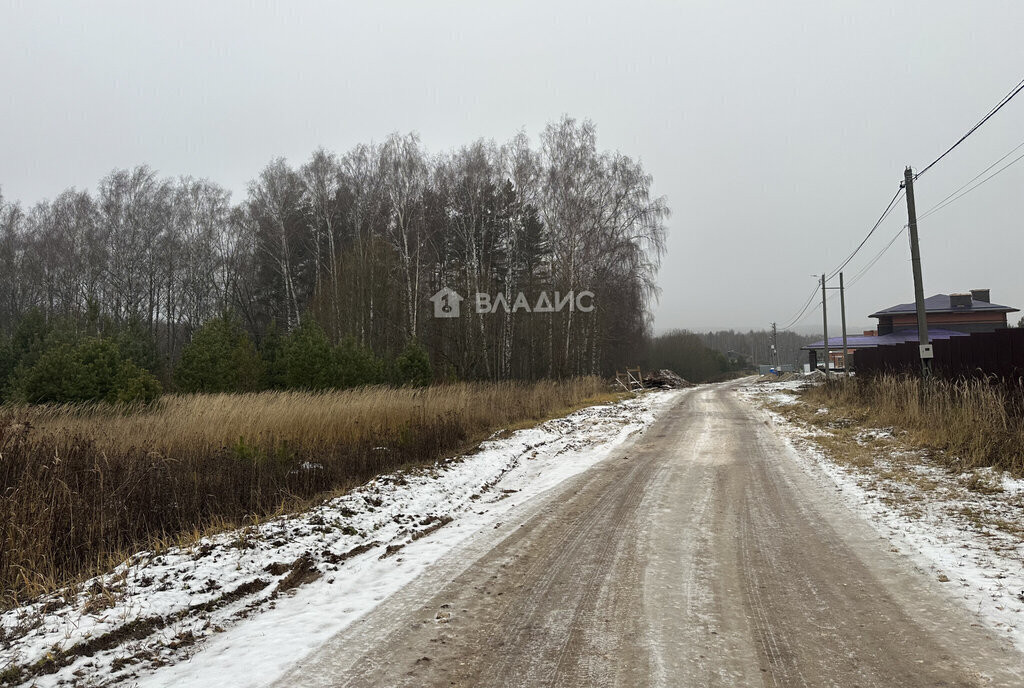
[446, 303]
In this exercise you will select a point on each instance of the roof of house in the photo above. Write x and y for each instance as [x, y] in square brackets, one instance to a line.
[940, 303]
[859, 341]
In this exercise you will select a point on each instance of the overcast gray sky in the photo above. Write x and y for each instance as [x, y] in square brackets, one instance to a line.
[777, 130]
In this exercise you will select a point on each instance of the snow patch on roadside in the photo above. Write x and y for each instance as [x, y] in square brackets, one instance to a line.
[243, 606]
[947, 523]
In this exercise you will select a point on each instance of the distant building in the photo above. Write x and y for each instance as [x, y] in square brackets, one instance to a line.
[973, 312]
[949, 315]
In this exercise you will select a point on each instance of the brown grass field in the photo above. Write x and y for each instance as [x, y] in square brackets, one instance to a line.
[83, 486]
[973, 422]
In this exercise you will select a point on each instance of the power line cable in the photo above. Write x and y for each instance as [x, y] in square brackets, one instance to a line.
[863, 271]
[802, 313]
[951, 198]
[871, 263]
[796, 317]
[999, 106]
[955, 196]
[960, 193]
[888, 209]
[817, 307]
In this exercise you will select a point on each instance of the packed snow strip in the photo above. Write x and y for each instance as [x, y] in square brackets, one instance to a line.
[243, 606]
[967, 536]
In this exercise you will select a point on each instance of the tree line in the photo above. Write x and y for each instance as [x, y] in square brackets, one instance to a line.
[354, 245]
[710, 356]
[56, 362]
[686, 354]
[754, 346]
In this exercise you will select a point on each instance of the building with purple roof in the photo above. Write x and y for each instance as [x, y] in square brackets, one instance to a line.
[948, 315]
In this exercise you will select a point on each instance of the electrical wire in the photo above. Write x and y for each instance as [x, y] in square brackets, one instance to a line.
[796, 317]
[960, 193]
[951, 198]
[1006, 99]
[817, 307]
[802, 314]
[888, 209]
[871, 263]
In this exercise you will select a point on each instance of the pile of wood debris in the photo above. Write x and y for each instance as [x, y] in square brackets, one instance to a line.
[665, 379]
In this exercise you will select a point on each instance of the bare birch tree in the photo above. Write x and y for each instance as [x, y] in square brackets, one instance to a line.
[358, 242]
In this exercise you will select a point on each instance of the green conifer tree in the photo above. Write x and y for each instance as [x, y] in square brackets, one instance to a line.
[412, 367]
[220, 358]
[309, 359]
[275, 364]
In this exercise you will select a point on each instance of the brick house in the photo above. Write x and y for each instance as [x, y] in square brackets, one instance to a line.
[949, 315]
[973, 312]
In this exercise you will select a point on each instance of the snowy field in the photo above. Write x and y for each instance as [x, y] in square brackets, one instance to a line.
[239, 608]
[964, 529]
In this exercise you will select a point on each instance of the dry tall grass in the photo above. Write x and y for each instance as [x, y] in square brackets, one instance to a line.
[975, 422]
[209, 421]
[82, 486]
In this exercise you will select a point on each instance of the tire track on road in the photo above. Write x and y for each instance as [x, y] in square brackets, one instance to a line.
[700, 555]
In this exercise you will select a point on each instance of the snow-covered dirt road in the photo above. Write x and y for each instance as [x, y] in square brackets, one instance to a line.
[702, 554]
[684, 538]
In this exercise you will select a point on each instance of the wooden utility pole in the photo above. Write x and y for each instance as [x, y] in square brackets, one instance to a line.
[925, 347]
[775, 348]
[824, 321]
[842, 309]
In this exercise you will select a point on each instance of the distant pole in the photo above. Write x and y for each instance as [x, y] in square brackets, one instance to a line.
[842, 309]
[915, 258]
[824, 321]
[775, 347]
